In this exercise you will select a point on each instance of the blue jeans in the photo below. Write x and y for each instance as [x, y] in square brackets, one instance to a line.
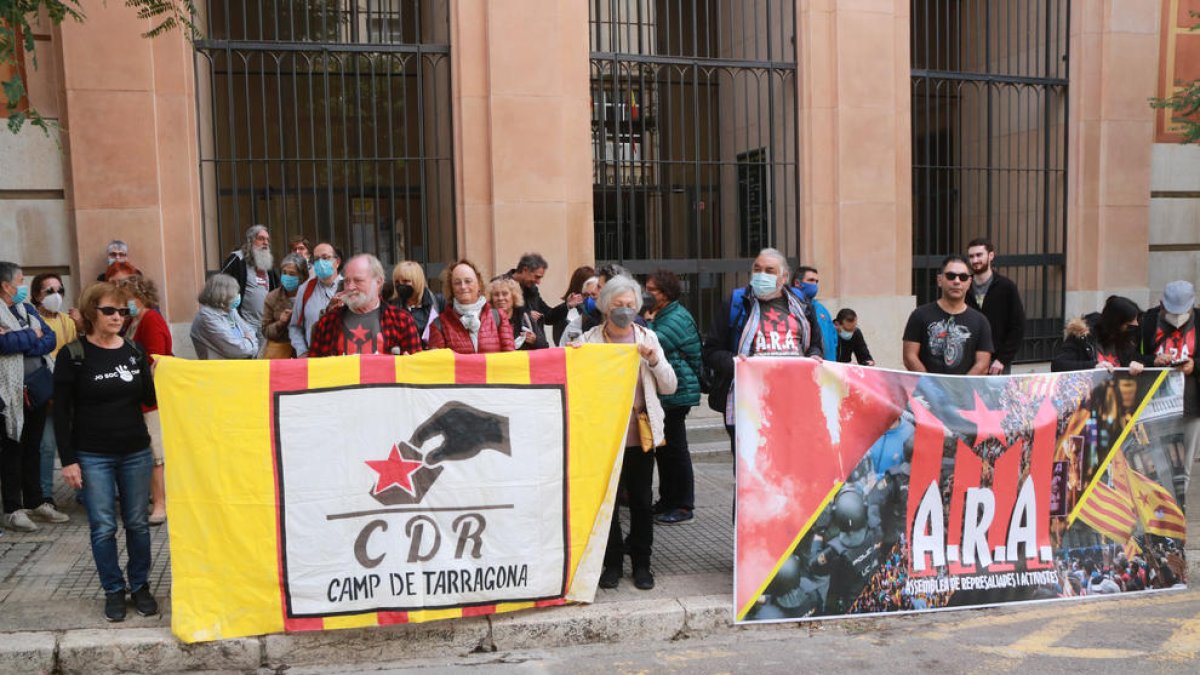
[130, 474]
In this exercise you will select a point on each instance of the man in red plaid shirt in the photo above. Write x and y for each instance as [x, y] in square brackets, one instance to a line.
[363, 324]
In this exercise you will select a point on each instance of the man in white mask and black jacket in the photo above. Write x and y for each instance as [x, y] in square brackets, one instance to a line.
[763, 319]
[1169, 334]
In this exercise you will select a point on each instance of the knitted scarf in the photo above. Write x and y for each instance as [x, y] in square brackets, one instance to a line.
[468, 315]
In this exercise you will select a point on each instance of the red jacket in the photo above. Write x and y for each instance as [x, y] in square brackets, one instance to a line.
[396, 326]
[447, 331]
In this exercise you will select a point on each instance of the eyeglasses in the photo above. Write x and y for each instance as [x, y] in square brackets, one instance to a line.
[109, 311]
[957, 276]
[50, 291]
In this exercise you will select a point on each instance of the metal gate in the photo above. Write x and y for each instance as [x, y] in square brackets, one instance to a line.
[694, 126]
[327, 118]
[989, 115]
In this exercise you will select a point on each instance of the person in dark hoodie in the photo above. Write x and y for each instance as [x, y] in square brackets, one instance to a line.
[528, 274]
[850, 340]
[1169, 336]
[1107, 339]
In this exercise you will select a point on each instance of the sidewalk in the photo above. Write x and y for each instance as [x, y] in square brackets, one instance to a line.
[51, 601]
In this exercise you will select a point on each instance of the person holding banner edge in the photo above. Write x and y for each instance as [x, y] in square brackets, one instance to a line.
[619, 302]
[946, 336]
[1169, 335]
[762, 319]
[1108, 339]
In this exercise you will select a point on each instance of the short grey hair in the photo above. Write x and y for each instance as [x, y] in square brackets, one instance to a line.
[299, 261]
[615, 287]
[117, 244]
[589, 282]
[8, 271]
[778, 255]
[532, 261]
[219, 291]
[373, 264]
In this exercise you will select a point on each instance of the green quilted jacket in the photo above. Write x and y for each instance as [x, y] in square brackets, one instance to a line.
[676, 330]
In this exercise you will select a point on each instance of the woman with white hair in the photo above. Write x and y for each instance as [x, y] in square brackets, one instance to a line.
[218, 331]
[619, 302]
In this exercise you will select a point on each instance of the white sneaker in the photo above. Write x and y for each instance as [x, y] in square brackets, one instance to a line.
[19, 520]
[46, 512]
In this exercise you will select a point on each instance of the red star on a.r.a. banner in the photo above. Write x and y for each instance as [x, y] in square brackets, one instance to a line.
[395, 470]
[987, 422]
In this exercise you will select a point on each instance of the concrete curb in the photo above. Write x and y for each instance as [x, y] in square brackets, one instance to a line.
[156, 650]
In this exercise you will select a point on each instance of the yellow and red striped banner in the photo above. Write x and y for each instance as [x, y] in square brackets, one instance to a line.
[255, 448]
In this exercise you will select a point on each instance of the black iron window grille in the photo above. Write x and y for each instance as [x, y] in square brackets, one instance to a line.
[328, 119]
[694, 146]
[989, 115]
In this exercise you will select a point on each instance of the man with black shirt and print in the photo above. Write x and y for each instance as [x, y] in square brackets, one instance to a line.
[1169, 333]
[946, 336]
[998, 298]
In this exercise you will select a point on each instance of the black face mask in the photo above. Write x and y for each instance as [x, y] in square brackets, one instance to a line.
[404, 292]
[648, 301]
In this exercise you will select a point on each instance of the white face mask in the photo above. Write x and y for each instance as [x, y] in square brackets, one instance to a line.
[52, 302]
[1177, 320]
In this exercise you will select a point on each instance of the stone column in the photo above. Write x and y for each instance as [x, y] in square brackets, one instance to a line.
[522, 115]
[855, 162]
[1114, 68]
[129, 136]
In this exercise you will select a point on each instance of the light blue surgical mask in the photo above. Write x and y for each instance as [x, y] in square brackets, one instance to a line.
[235, 303]
[808, 290]
[133, 308]
[845, 334]
[763, 284]
[21, 295]
[290, 282]
[323, 268]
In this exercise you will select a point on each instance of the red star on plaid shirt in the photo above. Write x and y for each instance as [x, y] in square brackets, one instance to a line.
[395, 470]
[359, 333]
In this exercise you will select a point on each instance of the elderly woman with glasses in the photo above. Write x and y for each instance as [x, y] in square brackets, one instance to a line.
[619, 302]
[219, 331]
[101, 383]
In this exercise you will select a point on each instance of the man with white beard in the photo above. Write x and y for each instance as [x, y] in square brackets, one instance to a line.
[252, 266]
[363, 324]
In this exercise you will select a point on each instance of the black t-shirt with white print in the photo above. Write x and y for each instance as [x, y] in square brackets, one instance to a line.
[948, 341]
[98, 405]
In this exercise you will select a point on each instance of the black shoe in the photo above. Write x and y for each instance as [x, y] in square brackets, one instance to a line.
[643, 578]
[144, 602]
[610, 577]
[674, 517]
[114, 606]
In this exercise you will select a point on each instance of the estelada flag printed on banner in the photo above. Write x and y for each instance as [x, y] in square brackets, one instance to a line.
[867, 491]
[313, 494]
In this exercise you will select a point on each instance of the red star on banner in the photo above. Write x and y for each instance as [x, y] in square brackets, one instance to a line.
[987, 422]
[359, 333]
[395, 470]
[773, 314]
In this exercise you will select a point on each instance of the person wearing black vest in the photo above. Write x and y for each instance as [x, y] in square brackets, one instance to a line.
[998, 298]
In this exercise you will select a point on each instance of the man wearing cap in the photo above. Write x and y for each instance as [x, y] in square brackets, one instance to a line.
[1169, 333]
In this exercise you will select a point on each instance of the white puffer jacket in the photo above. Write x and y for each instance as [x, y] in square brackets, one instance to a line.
[657, 379]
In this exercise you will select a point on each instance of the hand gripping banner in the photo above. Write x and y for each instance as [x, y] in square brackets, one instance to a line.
[865, 491]
[314, 494]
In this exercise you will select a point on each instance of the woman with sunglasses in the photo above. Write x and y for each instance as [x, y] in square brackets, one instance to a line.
[946, 336]
[218, 330]
[99, 390]
[48, 293]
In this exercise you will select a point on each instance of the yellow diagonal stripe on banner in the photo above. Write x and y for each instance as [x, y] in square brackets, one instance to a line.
[222, 522]
[779, 563]
[1116, 447]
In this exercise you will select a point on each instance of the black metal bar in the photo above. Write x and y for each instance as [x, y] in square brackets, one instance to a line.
[260, 45]
[687, 60]
[989, 77]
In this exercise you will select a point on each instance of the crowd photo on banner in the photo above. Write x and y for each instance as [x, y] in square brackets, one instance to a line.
[78, 400]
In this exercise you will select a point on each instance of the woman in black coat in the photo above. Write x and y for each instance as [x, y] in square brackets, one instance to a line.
[1108, 339]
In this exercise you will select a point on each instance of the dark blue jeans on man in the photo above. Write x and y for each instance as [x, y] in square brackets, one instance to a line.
[103, 477]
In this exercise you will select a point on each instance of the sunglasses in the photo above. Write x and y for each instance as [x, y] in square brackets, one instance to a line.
[957, 276]
[109, 311]
[51, 291]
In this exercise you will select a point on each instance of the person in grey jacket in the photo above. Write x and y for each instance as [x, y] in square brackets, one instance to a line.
[219, 331]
